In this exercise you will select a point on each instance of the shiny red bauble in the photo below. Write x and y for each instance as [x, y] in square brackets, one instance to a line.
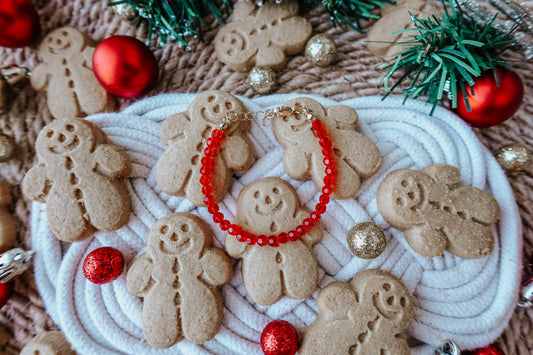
[6, 290]
[125, 66]
[488, 350]
[279, 338]
[19, 23]
[491, 104]
[103, 265]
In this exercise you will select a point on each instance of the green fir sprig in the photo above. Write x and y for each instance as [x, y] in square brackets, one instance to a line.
[349, 13]
[446, 53]
[175, 19]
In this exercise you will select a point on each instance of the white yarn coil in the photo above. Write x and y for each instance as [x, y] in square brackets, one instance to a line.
[469, 301]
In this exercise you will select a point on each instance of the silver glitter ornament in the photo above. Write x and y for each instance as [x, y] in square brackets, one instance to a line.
[366, 240]
[126, 11]
[513, 157]
[262, 80]
[321, 50]
[13, 263]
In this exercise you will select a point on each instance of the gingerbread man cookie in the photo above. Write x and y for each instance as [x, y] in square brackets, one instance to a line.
[437, 213]
[262, 35]
[357, 157]
[365, 316]
[66, 75]
[179, 277]
[8, 228]
[48, 343]
[178, 170]
[266, 207]
[80, 177]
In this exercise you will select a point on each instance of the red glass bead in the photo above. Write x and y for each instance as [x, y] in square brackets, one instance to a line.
[250, 240]
[328, 162]
[207, 189]
[217, 133]
[307, 223]
[234, 229]
[320, 207]
[241, 237]
[315, 216]
[283, 238]
[207, 161]
[206, 170]
[262, 240]
[205, 180]
[324, 199]
[213, 208]
[218, 217]
[316, 125]
[209, 200]
[225, 224]
[103, 265]
[272, 242]
[492, 349]
[325, 142]
[6, 291]
[329, 180]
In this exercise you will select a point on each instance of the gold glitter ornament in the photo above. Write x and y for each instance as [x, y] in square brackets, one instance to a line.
[321, 50]
[262, 80]
[7, 148]
[513, 157]
[126, 11]
[366, 240]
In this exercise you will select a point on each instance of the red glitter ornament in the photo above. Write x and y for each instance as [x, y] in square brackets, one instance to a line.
[279, 338]
[125, 66]
[492, 349]
[491, 104]
[103, 265]
[19, 23]
[6, 290]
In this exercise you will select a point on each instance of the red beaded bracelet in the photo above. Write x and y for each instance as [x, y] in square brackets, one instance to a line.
[207, 168]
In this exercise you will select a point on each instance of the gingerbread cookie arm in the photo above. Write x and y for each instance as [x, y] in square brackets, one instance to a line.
[40, 77]
[444, 174]
[234, 248]
[36, 185]
[336, 299]
[217, 268]
[292, 34]
[173, 127]
[315, 234]
[344, 116]
[272, 57]
[112, 160]
[139, 276]
[425, 241]
[469, 200]
[238, 152]
[296, 162]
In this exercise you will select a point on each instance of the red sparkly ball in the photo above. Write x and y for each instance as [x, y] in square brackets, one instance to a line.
[19, 23]
[103, 265]
[488, 350]
[125, 66]
[6, 290]
[491, 104]
[279, 338]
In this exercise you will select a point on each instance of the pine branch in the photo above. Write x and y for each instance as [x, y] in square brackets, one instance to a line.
[349, 13]
[447, 52]
[175, 19]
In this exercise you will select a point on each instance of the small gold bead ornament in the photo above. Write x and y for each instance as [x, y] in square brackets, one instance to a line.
[262, 80]
[125, 11]
[513, 157]
[366, 240]
[321, 50]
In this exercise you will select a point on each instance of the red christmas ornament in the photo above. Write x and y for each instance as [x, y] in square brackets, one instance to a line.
[19, 23]
[6, 290]
[125, 66]
[491, 104]
[279, 338]
[103, 265]
[488, 350]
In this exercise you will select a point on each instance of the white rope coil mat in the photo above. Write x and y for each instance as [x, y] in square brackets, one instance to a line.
[468, 301]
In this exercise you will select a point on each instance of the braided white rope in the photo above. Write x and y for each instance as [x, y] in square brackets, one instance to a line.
[469, 301]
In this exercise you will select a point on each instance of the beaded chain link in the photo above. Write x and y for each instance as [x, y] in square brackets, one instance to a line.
[208, 163]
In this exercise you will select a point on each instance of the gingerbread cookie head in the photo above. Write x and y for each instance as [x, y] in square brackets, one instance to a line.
[48, 343]
[172, 235]
[356, 156]
[213, 106]
[437, 213]
[365, 316]
[65, 137]
[62, 42]
[262, 36]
